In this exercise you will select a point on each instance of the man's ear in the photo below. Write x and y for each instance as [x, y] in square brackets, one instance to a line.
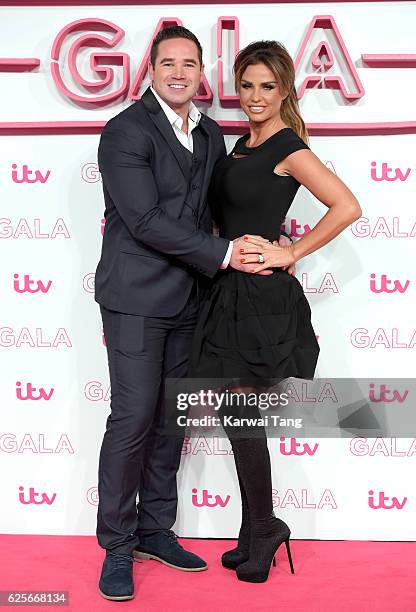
[151, 70]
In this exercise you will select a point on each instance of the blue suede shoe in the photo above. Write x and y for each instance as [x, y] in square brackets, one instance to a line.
[163, 546]
[116, 581]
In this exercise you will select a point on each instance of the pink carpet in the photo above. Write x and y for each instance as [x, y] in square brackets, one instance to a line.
[330, 576]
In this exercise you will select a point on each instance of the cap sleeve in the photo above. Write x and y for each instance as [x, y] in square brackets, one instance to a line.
[290, 143]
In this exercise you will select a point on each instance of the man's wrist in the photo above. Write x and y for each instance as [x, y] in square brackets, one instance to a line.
[227, 257]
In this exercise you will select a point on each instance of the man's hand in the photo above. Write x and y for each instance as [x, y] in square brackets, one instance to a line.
[245, 244]
[285, 241]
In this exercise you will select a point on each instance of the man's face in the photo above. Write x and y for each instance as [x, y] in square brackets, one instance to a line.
[177, 73]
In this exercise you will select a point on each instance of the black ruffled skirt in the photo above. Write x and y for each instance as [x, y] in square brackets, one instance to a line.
[254, 327]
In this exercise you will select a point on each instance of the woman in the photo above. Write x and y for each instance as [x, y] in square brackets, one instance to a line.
[256, 325]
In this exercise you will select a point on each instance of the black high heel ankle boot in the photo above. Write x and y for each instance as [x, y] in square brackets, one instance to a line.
[234, 557]
[266, 535]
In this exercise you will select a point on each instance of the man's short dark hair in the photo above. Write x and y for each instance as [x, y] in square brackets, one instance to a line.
[173, 32]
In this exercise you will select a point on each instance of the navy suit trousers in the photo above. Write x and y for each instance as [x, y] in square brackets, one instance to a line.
[137, 457]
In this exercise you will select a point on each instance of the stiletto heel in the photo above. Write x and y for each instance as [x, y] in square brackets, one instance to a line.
[274, 561]
[266, 535]
[289, 556]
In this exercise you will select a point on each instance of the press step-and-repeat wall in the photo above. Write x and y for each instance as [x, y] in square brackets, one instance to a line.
[64, 71]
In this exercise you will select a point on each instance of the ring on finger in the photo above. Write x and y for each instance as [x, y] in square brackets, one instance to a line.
[261, 258]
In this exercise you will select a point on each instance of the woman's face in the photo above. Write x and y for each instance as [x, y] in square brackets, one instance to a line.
[259, 92]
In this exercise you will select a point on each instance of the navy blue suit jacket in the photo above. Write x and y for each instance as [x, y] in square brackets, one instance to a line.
[154, 244]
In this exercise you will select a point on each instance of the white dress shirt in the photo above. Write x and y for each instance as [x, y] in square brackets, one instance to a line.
[186, 140]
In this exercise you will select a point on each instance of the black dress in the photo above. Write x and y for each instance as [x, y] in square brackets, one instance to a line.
[251, 326]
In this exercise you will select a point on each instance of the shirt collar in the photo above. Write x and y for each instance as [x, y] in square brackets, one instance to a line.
[194, 115]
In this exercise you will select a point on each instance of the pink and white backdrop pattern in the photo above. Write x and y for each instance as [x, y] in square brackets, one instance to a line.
[64, 71]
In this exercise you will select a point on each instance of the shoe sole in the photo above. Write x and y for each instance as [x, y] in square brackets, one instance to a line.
[254, 580]
[115, 598]
[146, 556]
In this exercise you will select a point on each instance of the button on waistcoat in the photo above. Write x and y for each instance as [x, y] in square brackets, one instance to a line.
[197, 163]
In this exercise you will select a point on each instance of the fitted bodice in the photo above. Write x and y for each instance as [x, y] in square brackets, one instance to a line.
[246, 196]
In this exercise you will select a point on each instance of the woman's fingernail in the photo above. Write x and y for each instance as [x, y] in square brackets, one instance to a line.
[241, 250]
[245, 238]
[242, 260]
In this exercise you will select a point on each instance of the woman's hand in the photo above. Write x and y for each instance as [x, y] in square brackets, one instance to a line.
[274, 255]
[285, 241]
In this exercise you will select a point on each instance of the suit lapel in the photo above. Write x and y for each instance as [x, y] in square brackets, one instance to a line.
[162, 123]
[209, 166]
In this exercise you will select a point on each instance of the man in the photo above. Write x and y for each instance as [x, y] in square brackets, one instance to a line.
[156, 159]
